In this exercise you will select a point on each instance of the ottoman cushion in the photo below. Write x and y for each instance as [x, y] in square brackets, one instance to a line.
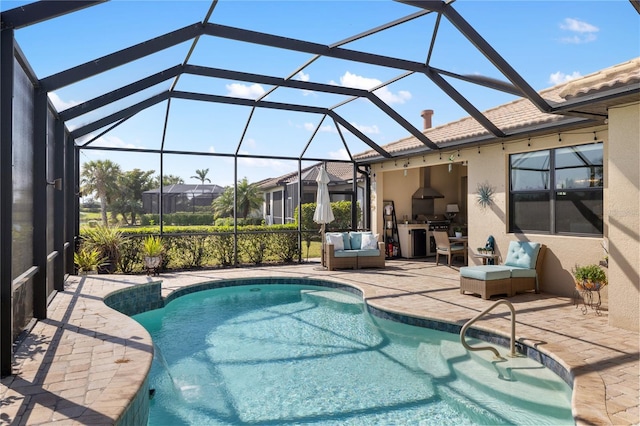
[486, 272]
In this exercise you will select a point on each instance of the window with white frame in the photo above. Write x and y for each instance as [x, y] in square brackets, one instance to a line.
[558, 190]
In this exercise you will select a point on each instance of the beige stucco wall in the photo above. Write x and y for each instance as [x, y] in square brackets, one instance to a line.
[623, 186]
[490, 165]
[564, 252]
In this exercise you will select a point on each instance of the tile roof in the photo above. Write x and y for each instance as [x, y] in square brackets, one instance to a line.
[618, 75]
[339, 172]
[521, 113]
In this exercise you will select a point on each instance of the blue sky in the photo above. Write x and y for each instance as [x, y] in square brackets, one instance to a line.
[547, 42]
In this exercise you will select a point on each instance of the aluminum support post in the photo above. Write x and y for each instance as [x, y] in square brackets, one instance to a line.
[6, 200]
[58, 206]
[39, 193]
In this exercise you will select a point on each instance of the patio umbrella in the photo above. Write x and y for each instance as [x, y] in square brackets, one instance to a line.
[323, 213]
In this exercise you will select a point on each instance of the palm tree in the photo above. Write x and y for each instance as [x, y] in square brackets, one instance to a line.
[100, 176]
[223, 205]
[201, 175]
[131, 185]
[249, 198]
[167, 180]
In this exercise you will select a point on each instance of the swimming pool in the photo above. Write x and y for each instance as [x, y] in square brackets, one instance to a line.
[287, 354]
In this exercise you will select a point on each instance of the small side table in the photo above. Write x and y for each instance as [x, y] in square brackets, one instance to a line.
[485, 256]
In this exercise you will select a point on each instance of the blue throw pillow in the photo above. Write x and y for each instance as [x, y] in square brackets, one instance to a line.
[346, 241]
[356, 239]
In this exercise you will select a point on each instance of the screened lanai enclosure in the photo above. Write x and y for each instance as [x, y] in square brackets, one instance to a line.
[240, 89]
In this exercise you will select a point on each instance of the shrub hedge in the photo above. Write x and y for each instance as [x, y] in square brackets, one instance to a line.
[188, 247]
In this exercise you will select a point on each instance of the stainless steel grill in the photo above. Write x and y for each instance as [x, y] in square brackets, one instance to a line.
[437, 223]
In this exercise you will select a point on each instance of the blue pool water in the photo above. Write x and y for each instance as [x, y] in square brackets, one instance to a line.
[284, 354]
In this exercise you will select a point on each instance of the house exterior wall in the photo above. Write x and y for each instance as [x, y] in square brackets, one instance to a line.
[621, 197]
[623, 210]
[491, 166]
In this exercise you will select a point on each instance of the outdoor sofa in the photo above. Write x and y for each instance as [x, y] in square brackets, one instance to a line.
[353, 250]
[520, 272]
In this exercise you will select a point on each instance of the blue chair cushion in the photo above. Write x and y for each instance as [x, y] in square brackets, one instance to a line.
[522, 272]
[486, 272]
[522, 254]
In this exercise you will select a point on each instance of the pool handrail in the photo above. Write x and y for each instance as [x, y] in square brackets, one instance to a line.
[512, 346]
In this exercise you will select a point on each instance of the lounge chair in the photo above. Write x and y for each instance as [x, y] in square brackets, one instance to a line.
[446, 247]
[520, 272]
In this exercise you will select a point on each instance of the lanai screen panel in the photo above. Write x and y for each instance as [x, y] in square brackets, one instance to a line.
[22, 244]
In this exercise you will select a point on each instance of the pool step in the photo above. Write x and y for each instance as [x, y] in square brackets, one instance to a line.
[343, 302]
[517, 383]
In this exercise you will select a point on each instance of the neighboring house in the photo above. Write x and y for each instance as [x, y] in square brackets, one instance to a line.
[281, 193]
[569, 180]
[181, 198]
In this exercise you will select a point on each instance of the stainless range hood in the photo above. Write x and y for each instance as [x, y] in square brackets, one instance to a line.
[425, 192]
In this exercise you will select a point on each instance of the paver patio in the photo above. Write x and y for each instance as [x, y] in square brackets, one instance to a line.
[85, 363]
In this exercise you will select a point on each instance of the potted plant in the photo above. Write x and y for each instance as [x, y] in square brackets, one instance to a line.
[152, 251]
[106, 241]
[589, 277]
[87, 260]
[458, 231]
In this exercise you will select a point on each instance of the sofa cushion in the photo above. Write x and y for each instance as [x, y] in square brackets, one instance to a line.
[486, 272]
[345, 253]
[367, 252]
[336, 239]
[522, 254]
[356, 239]
[369, 242]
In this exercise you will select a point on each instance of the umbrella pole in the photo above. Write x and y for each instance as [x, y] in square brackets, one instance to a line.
[322, 244]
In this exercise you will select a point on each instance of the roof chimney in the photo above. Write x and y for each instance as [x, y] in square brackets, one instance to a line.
[426, 116]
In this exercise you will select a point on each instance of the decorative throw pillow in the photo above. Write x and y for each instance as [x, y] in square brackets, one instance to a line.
[369, 241]
[336, 240]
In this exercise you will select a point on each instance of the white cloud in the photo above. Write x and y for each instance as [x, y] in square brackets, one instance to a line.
[583, 31]
[367, 130]
[328, 128]
[245, 91]
[302, 76]
[311, 127]
[366, 83]
[578, 26]
[340, 154]
[249, 142]
[560, 77]
[212, 149]
[276, 165]
[59, 103]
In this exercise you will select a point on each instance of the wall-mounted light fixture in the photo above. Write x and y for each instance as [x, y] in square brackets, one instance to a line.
[57, 184]
[451, 211]
[451, 157]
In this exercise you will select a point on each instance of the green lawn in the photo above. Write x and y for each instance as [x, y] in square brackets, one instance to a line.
[314, 250]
